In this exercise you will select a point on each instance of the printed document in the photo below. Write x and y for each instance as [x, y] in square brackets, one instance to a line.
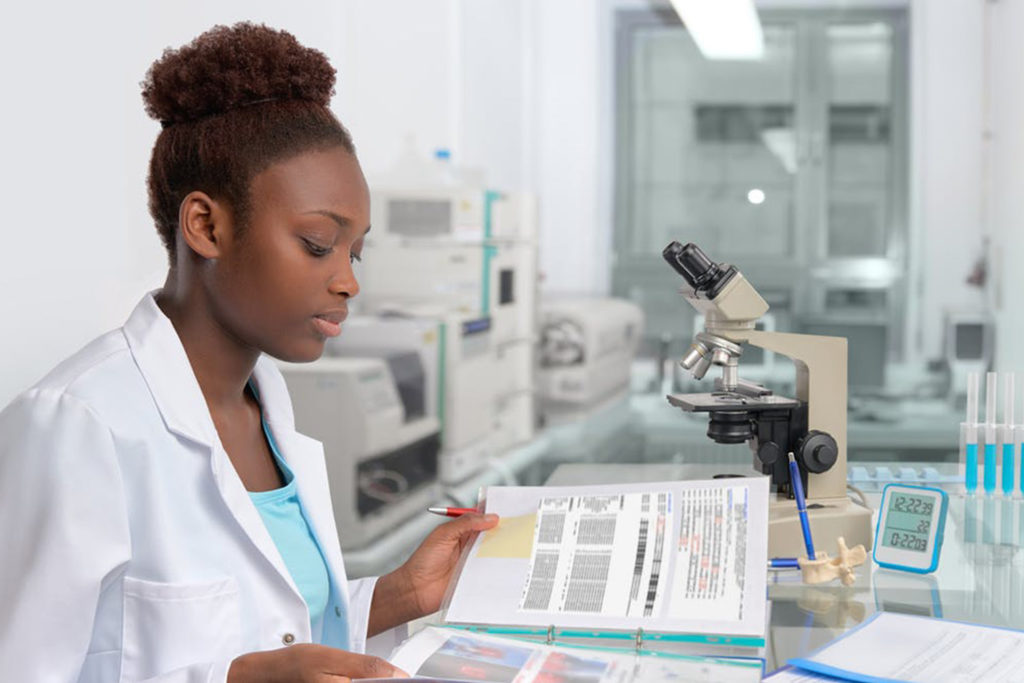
[904, 647]
[676, 557]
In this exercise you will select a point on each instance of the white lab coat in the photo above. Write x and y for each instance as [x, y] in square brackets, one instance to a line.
[132, 550]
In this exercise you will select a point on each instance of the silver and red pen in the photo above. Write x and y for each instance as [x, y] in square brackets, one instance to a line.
[451, 512]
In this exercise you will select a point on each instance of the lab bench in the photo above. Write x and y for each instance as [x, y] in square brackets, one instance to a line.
[980, 578]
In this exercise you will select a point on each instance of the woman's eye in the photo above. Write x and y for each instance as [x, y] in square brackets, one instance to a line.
[355, 258]
[316, 249]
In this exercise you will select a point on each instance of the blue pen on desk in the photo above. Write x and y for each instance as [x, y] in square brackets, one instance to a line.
[801, 505]
[784, 563]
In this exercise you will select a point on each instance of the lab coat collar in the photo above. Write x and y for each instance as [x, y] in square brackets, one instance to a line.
[161, 359]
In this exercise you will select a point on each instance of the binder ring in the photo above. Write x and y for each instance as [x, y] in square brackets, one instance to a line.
[551, 634]
[639, 639]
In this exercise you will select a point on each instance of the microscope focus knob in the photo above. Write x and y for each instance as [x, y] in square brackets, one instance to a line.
[819, 451]
[770, 452]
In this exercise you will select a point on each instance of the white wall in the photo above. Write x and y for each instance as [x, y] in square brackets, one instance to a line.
[79, 248]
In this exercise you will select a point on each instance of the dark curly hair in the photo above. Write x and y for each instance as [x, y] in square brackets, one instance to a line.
[231, 103]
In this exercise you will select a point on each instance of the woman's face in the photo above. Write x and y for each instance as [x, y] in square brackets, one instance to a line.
[283, 285]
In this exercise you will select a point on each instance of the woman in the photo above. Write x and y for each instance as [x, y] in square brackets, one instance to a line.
[169, 523]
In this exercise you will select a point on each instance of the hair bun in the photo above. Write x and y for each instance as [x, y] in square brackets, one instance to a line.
[229, 67]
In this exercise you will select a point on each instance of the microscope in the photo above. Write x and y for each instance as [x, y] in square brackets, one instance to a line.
[812, 426]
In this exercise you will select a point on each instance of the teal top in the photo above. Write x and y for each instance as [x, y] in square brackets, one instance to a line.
[283, 516]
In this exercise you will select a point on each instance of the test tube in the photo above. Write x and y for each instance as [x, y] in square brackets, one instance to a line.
[1019, 435]
[1006, 522]
[969, 439]
[1009, 443]
[990, 433]
[971, 520]
[989, 520]
[1020, 525]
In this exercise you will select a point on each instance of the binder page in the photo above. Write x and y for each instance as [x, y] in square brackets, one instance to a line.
[450, 654]
[903, 647]
[676, 557]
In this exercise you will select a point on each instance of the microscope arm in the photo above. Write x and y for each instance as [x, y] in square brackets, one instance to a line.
[821, 382]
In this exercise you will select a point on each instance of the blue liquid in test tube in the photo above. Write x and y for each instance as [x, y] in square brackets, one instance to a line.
[1018, 440]
[990, 468]
[971, 475]
[969, 438]
[990, 433]
[1008, 458]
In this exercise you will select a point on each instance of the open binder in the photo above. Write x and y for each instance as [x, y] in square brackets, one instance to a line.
[449, 654]
[668, 567]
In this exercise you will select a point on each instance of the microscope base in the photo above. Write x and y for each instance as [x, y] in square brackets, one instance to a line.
[834, 518]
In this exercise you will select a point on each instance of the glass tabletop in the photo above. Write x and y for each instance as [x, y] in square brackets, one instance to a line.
[980, 577]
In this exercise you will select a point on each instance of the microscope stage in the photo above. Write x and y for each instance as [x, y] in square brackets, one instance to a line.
[730, 401]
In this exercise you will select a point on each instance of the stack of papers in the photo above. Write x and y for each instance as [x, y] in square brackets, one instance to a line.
[903, 647]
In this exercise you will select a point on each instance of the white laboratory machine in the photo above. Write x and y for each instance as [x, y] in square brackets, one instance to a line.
[480, 391]
[587, 347]
[467, 250]
[381, 445]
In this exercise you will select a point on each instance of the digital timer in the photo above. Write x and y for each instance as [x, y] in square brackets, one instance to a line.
[911, 520]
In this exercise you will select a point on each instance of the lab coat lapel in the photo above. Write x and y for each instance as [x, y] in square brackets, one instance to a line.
[305, 456]
[247, 516]
[161, 359]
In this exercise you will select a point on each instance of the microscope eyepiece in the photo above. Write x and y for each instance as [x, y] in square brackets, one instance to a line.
[697, 269]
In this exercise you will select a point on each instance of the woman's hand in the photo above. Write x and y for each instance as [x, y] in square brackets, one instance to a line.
[308, 664]
[417, 587]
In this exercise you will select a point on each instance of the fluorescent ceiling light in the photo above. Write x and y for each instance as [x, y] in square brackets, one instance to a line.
[723, 29]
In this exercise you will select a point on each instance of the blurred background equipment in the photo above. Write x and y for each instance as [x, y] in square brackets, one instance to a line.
[479, 393]
[380, 444]
[587, 347]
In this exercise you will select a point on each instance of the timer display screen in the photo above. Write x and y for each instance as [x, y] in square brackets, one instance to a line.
[909, 521]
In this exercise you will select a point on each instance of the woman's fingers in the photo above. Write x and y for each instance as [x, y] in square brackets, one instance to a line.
[469, 522]
[351, 665]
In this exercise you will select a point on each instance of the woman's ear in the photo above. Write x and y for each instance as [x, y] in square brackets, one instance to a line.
[204, 225]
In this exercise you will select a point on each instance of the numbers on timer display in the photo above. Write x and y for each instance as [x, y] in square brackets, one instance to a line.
[908, 541]
[915, 506]
[909, 522]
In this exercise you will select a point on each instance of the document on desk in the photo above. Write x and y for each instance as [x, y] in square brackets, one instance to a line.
[674, 557]
[901, 647]
[446, 654]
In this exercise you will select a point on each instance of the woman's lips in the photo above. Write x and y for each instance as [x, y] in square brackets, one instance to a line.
[327, 328]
